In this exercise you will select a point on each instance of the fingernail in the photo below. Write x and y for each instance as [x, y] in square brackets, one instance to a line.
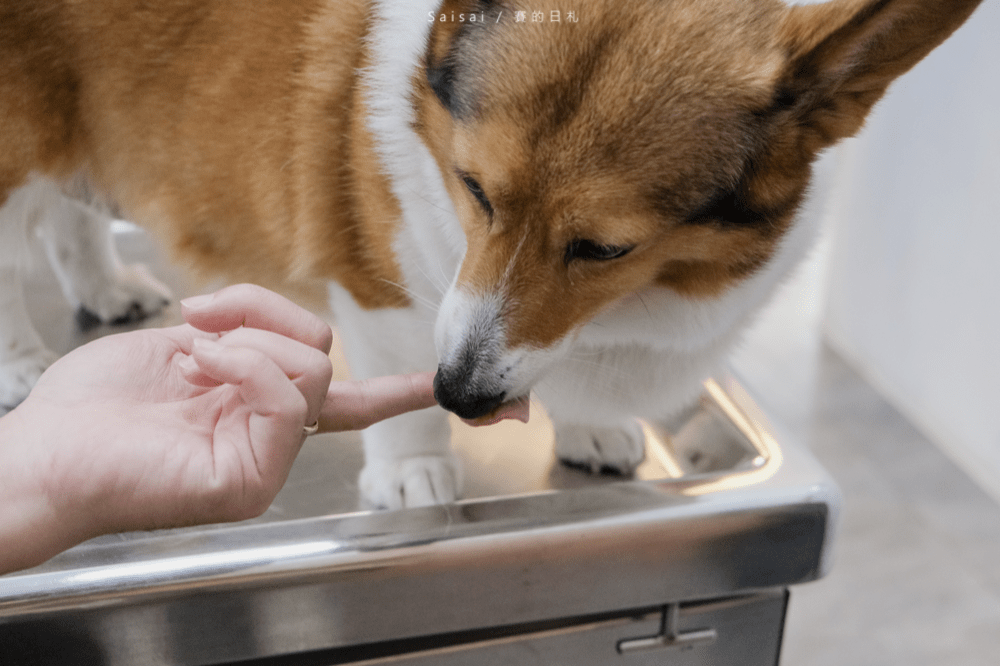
[195, 302]
[204, 346]
[188, 365]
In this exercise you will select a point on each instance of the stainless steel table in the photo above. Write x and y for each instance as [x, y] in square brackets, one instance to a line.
[689, 562]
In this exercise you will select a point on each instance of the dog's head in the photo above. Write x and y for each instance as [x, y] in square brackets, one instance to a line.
[653, 144]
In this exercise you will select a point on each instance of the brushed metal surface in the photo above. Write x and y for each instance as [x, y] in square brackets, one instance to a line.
[718, 508]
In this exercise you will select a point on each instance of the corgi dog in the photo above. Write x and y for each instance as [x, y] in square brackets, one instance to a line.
[586, 203]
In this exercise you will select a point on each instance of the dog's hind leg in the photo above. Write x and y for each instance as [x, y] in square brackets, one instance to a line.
[23, 354]
[80, 246]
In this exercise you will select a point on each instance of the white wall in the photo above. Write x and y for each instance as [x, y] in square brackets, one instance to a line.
[914, 282]
[778, 358]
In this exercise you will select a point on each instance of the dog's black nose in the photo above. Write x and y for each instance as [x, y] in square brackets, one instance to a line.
[454, 397]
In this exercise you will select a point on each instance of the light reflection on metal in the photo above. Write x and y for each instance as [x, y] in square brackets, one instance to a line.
[232, 559]
[766, 464]
[659, 450]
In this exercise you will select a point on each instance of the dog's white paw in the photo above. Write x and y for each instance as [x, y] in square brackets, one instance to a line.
[130, 295]
[601, 450]
[18, 376]
[410, 482]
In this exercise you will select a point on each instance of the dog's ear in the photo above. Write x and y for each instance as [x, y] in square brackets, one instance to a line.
[843, 54]
[439, 61]
[453, 21]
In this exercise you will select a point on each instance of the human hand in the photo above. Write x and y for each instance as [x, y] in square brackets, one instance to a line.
[158, 428]
[349, 405]
[193, 424]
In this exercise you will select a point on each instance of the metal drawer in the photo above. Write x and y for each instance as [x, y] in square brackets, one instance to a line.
[743, 630]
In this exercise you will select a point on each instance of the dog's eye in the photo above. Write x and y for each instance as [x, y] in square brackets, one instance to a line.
[591, 251]
[477, 191]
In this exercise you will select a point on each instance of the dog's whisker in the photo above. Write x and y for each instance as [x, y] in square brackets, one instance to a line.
[510, 264]
[591, 359]
[645, 305]
[445, 279]
[423, 300]
[441, 291]
[426, 200]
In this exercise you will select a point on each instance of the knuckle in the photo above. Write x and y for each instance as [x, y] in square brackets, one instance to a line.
[325, 339]
[321, 364]
[298, 408]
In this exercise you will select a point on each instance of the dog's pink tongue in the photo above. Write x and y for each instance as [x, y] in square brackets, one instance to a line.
[514, 409]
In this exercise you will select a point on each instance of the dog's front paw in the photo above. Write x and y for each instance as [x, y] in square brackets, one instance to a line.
[410, 482]
[601, 450]
[131, 295]
[18, 376]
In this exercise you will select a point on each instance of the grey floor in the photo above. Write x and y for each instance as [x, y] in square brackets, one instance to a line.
[916, 572]
[916, 569]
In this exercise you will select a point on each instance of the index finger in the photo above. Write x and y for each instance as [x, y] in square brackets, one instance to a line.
[355, 405]
[256, 307]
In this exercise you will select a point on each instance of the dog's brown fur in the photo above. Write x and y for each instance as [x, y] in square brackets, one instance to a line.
[685, 129]
[234, 132]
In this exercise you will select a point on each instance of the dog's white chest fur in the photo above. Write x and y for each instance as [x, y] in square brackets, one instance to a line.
[644, 356]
